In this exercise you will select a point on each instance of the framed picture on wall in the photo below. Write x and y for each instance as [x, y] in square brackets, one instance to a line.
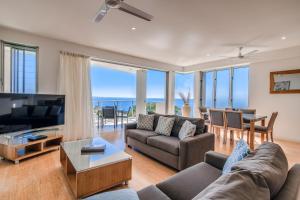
[282, 86]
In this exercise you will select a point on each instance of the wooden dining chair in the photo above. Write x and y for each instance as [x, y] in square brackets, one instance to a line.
[266, 130]
[247, 111]
[234, 123]
[217, 120]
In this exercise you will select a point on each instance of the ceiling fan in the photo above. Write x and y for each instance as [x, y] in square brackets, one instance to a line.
[242, 55]
[121, 5]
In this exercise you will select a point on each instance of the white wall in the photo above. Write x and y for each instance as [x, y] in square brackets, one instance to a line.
[287, 125]
[49, 56]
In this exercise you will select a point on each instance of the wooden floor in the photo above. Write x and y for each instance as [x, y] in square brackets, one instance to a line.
[42, 177]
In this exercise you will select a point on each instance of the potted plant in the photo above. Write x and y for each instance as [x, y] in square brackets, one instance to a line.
[186, 109]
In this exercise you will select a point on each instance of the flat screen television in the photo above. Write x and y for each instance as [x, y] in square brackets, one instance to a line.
[24, 112]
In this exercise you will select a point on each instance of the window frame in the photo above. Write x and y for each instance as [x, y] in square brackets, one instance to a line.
[231, 77]
[20, 47]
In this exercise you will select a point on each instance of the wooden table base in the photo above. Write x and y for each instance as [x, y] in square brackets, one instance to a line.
[94, 180]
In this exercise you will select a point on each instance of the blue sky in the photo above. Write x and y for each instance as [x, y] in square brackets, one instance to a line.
[108, 82]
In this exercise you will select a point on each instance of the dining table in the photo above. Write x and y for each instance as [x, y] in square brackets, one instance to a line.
[253, 118]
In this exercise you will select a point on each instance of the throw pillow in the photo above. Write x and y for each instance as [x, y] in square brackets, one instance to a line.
[165, 125]
[239, 152]
[187, 130]
[145, 122]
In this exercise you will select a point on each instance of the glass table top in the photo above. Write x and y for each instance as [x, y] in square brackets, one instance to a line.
[85, 161]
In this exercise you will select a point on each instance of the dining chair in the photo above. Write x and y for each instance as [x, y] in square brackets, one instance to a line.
[247, 111]
[217, 121]
[234, 123]
[108, 112]
[266, 130]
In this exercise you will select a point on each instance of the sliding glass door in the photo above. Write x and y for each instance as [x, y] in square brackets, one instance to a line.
[240, 87]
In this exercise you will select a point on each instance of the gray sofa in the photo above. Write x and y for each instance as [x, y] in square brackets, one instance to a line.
[263, 176]
[171, 151]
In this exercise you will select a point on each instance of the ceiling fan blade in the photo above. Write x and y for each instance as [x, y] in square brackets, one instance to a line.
[249, 53]
[101, 13]
[134, 11]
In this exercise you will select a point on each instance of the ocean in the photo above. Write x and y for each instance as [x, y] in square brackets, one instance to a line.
[125, 103]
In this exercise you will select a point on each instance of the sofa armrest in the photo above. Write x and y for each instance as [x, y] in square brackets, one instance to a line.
[193, 149]
[215, 159]
[131, 126]
[127, 127]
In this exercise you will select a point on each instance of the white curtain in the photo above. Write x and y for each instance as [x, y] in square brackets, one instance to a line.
[74, 82]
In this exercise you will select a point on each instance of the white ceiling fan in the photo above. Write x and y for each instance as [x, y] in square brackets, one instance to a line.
[242, 55]
[121, 5]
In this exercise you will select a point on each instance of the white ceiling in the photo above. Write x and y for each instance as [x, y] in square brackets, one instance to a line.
[182, 33]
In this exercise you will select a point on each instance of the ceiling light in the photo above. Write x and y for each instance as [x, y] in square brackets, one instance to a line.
[207, 54]
[133, 28]
[283, 38]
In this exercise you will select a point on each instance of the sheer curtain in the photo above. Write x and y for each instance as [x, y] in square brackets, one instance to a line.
[74, 82]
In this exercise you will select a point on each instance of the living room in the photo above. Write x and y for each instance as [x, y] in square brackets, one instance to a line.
[189, 61]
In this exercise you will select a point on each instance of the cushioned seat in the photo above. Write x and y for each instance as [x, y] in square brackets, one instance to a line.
[166, 143]
[186, 184]
[115, 195]
[140, 135]
[257, 128]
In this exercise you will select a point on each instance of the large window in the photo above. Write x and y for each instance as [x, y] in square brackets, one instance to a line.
[226, 88]
[209, 89]
[222, 88]
[156, 91]
[240, 87]
[20, 68]
[113, 86]
[184, 83]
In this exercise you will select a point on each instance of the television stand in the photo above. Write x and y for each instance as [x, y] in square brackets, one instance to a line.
[20, 147]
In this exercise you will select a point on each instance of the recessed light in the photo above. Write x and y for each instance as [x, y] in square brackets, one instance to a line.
[283, 38]
[133, 28]
[207, 54]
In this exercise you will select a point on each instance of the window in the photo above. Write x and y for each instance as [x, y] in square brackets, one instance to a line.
[156, 91]
[221, 92]
[20, 68]
[184, 83]
[113, 85]
[240, 87]
[209, 89]
[222, 88]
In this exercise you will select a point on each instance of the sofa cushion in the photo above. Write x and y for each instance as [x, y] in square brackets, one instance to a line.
[165, 125]
[239, 152]
[152, 192]
[269, 161]
[156, 118]
[236, 185]
[200, 125]
[186, 184]
[145, 122]
[140, 135]
[166, 143]
[115, 195]
[187, 130]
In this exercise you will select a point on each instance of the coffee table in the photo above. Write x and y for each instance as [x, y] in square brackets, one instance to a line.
[91, 173]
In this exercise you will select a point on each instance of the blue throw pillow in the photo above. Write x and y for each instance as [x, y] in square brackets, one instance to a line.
[239, 152]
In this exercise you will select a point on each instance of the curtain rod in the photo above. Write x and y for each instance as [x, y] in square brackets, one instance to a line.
[125, 64]
[73, 54]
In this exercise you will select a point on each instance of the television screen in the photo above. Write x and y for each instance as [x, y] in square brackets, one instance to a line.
[20, 112]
